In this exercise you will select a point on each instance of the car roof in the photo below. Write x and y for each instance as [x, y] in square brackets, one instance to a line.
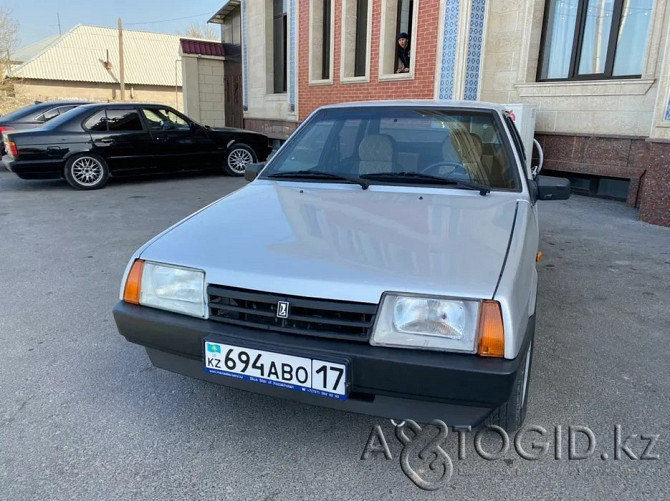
[55, 104]
[117, 104]
[33, 109]
[414, 103]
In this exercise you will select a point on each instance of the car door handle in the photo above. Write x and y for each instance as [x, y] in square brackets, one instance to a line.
[105, 140]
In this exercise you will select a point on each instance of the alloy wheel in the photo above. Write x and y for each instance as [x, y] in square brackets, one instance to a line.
[87, 171]
[238, 159]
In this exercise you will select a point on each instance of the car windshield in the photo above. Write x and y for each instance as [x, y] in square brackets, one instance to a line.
[399, 145]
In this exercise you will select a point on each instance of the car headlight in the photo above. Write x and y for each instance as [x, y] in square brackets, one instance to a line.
[168, 287]
[425, 322]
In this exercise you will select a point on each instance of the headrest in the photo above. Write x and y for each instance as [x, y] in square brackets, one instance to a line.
[376, 147]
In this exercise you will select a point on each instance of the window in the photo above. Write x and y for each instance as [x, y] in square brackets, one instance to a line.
[356, 38]
[398, 17]
[321, 43]
[114, 120]
[97, 122]
[48, 115]
[595, 186]
[53, 113]
[361, 38]
[403, 25]
[164, 119]
[123, 120]
[325, 50]
[279, 47]
[594, 39]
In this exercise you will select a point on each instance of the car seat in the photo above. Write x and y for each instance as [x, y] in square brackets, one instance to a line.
[376, 154]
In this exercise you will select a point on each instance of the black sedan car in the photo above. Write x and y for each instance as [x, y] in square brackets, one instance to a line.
[88, 144]
[34, 116]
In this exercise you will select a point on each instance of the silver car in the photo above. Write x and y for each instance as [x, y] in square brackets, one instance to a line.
[382, 262]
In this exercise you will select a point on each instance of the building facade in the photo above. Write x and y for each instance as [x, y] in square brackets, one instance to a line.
[598, 72]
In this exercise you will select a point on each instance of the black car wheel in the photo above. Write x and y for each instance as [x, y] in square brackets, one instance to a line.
[239, 155]
[510, 415]
[86, 172]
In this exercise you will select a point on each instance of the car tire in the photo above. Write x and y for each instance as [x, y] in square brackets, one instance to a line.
[238, 156]
[510, 415]
[86, 172]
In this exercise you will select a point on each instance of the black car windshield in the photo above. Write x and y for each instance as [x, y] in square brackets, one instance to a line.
[400, 145]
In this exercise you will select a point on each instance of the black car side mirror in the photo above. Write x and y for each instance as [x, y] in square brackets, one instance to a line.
[251, 171]
[552, 188]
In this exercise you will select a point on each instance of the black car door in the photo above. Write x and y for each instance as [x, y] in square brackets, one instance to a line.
[119, 136]
[177, 142]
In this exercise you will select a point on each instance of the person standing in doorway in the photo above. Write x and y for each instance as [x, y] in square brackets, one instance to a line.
[402, 53]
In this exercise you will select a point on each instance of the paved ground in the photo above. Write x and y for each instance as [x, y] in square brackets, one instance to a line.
[83, 415]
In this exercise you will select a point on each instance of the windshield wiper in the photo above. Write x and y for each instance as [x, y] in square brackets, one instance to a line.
[298, 174]
[483, 190]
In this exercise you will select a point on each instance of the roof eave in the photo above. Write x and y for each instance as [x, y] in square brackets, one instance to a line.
[221, 14]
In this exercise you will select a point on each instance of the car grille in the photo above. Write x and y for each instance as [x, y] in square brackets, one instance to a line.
[306, 316]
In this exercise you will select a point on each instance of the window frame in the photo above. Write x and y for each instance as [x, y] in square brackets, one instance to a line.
[383, 47]
[316, 74]
[283, 89]
[578, 42]
[347, 54]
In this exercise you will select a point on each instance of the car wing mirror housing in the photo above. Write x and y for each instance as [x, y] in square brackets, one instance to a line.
[552, 188]
[252, 170]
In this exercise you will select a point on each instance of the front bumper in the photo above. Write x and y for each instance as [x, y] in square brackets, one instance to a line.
[462, 390]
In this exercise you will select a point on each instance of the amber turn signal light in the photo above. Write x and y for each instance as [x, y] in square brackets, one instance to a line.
[131, 292]
[491, 330]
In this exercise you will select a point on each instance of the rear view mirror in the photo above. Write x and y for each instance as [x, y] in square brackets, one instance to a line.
[552, 188]
[251, 171]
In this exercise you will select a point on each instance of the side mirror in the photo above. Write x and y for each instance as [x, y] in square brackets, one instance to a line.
[552, 188]
[251, 171]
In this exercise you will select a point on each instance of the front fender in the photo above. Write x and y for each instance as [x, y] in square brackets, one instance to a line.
[517, 286]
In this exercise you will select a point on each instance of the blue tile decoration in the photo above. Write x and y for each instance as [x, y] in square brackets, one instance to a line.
[449, 43]
[293, 59]
[667, 113]
[475, 40]
[245, 79]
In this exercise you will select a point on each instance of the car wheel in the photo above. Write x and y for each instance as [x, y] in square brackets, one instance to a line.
[239, 155]
[510, 415]
[86, 172]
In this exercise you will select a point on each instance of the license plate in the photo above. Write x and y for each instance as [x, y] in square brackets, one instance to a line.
[308, 375]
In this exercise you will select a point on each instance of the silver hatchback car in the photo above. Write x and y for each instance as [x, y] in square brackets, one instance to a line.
[382, 262]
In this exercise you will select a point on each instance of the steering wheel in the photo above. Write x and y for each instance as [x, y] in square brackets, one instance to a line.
[445, 163]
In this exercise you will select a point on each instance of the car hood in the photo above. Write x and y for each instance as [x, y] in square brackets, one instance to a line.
[330, 241]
